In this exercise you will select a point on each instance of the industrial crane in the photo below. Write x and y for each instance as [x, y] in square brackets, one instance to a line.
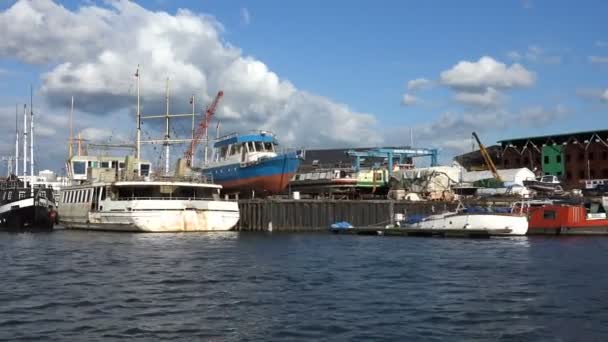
[202, 128]
[487, 158]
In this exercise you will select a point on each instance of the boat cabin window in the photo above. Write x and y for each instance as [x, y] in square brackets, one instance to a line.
[144, 169]
[259, 146]
[79, 167]
[223, 151]
[269, 147]
[236, 149]
[105, 165]
[549, 214]
[164, 192]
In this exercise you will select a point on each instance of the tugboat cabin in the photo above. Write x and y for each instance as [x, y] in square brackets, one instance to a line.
[245, 148]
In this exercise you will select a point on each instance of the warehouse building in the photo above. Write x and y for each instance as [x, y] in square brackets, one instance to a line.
[573, 157]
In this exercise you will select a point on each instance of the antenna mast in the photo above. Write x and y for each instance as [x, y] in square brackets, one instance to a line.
[71, 142]
[24, 143]
[138, 142]
[16, 140]
[32, 141]
[167, 135]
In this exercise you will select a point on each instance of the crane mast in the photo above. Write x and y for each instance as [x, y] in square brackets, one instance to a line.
[487, 158]
[202, 128]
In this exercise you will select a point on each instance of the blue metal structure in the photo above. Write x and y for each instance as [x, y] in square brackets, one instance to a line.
[391, 153]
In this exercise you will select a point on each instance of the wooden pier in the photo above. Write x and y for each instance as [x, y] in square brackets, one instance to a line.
[317, 215]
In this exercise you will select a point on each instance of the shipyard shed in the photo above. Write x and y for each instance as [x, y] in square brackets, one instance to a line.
[509, 176]
[338, 158]
[572, 157]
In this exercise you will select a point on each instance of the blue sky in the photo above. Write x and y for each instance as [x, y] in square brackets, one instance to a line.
[362, 54]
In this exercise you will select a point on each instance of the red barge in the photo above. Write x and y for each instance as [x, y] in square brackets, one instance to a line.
[568, 219]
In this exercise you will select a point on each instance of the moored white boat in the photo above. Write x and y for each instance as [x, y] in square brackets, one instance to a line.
[494, 223]
[132, 203]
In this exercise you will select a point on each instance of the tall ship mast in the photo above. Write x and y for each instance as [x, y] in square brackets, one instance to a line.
[126, 194]
[24, 205]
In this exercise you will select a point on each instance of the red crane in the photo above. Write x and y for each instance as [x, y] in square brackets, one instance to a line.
[202, 127]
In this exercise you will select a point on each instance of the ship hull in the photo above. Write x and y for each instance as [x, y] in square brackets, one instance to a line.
[270, 175]
[154, 216]
[566, 220]
[493, 224]
[24, 215]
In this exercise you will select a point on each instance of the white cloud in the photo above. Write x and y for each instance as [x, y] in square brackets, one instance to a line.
[418, 84]
[514, 55]
[593, 94]
[451, 130]
[527, 4]
[490, 97]
[598, 59]
[101, 47]
[408, 100]
[601, 43]
[487, 72]
[534, 54]
[245, 16]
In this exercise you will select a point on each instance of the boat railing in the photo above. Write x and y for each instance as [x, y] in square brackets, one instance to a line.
[253, 131]
[192, 178]
[193, 198]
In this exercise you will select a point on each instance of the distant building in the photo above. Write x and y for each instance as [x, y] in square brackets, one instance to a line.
[572, 156]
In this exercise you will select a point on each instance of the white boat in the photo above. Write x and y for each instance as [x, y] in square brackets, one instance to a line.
[493, 223]
[118, 197]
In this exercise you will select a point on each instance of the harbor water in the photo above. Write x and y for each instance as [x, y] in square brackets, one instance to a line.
[78, 285]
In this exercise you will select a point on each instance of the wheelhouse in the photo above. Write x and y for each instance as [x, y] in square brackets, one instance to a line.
[240, 146]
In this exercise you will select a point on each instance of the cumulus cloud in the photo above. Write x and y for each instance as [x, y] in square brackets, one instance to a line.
[486, 72]
[598, 59]
[490, 97]
[408, 100]
[481, 83]
[418, 84]
[100, 48]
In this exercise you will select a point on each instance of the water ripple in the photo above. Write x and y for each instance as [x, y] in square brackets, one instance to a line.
[73, 285]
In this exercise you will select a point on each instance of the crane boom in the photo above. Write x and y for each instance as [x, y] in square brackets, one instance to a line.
[487, 158]
[202, 127]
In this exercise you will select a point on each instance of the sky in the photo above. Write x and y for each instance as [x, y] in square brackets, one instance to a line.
[318, 74]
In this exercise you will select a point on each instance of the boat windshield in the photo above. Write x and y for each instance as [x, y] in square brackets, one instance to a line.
[163, 192]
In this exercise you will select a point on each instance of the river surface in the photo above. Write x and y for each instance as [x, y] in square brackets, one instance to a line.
[78, 285]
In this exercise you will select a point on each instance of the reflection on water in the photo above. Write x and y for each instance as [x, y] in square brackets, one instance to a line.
[76, 285]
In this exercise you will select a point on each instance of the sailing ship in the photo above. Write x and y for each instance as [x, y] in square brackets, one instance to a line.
[23, 204]
[125, 194]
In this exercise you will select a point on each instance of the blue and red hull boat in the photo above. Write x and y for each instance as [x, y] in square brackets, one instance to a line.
[245, 163]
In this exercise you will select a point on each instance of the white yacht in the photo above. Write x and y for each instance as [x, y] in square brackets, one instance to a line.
[123, 195]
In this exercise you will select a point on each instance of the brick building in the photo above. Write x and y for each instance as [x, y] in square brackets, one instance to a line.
[572, 157]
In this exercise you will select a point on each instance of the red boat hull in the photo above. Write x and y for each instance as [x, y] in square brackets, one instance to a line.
[273, 184]
[565, 220]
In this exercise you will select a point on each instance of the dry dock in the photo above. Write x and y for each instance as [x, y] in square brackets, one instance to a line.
[316, 215]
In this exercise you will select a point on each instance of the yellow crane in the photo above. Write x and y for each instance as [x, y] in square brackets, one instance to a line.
[487, 158]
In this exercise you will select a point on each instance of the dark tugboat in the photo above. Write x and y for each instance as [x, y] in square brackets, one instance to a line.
[20, 211]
